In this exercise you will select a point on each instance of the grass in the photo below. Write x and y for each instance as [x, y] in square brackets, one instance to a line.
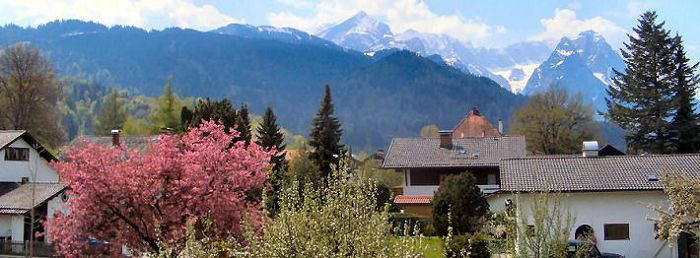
[433, 247]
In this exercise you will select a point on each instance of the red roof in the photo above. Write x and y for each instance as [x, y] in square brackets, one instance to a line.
[413, 199]
[474, 125]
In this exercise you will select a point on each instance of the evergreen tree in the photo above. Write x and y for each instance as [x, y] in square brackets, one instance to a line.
[166, 115]
[186, 116]
[641, 98]
[684, 126]
[460, 197]
[270, 137]
[113, 113]
[243, 125]
[325, 136]
[221, 111]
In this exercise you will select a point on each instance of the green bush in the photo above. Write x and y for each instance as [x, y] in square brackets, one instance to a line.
[468, 246]
[460, 196]
[400, 222]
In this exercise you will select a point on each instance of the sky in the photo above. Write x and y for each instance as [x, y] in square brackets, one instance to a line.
[484, 23]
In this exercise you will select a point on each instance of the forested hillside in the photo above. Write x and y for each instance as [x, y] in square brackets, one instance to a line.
[377, 98]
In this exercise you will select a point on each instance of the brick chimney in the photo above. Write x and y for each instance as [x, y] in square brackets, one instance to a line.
[115, 137]
[445, 139]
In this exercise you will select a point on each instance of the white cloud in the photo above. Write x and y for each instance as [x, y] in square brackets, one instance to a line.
[400, 15]
[149, 14]
[296, 3]
[565, 23]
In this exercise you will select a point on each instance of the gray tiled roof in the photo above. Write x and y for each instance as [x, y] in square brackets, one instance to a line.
[608, 173]
[139, 142]
[466, 152]
[8, 136]
[19, 200]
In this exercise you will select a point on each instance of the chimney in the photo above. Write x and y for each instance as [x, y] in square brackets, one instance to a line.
[590, 149]
[500, 126]
[445, 139]
[115, 137]
[167, 130]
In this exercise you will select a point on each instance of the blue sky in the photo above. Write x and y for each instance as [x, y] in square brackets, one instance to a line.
[483, 23]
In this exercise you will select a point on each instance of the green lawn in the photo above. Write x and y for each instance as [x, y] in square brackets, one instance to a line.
[433, 247]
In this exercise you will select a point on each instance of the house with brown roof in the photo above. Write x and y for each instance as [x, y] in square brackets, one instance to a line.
[426, 161]
[608, 196]
[27, 182]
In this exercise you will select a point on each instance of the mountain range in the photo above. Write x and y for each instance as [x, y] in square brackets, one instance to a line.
[392, 94]
[582, 64]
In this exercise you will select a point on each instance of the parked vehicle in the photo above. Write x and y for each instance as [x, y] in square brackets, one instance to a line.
[586, 249]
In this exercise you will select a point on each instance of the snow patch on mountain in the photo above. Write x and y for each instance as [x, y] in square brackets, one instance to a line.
[365, 34]
[517, 76]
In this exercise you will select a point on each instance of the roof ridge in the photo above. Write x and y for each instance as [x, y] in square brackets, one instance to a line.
[576, 156]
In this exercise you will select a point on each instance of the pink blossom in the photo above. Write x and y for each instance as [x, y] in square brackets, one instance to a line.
[140, 198]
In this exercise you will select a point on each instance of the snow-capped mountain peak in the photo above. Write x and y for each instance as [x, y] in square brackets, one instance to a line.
[288, 35]
[365, 34]
[581, 64]
[359, 32]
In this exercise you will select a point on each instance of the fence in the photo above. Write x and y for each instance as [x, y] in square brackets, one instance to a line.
[41, 249]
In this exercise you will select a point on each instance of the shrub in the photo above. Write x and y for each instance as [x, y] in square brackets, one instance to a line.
[460, 195]
[340, 219]
[400, 222]
[469, 245]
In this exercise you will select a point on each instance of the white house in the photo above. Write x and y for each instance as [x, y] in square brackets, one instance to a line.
[608, 196]
[25, 172]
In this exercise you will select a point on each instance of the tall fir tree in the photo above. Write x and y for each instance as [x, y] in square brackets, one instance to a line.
[270, 137]
[243, 125]
[684, 126]
[166, 115]
[112, 114]
[325, 136]
[641, 98]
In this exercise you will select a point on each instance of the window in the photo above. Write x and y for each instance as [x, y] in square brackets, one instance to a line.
[616, 231]
[491, 179]
[20, 154]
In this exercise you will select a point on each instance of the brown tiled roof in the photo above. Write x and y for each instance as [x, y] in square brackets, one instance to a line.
[608, 173]
[466, 152]
[413, 199]
[474, 125]
[19, 200]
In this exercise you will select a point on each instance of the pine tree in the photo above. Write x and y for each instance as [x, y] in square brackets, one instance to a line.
[221, 111]
[113, 113]
[640, 98]
[166, 115]
[243, 125]
[186, 116]
[270, 137]
[684, 126]
[325, 136]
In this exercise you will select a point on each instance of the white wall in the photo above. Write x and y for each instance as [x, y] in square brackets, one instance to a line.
[13, 171]
[5, 224]
[17, 228]
[55, 205]
[599, 208]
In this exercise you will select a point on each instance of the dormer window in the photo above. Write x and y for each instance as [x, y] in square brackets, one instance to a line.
[17, 154]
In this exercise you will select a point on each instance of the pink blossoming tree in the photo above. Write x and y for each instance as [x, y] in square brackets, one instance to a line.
[145, 198]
